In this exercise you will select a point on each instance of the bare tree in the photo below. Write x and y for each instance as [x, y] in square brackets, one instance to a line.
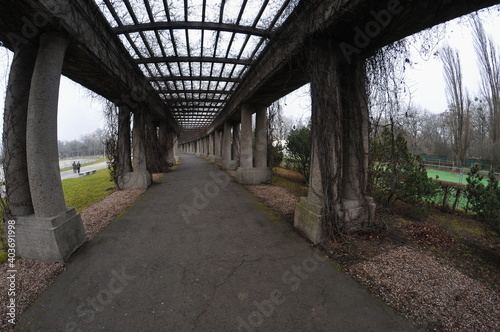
[489, 66]
[458, 114]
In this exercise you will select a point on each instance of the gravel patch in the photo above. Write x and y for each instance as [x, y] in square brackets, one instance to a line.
[99, 215]
[435, 295]
[280, 200]
[33, 277]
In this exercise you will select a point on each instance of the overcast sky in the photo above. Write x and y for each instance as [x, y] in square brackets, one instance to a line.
[79, 115]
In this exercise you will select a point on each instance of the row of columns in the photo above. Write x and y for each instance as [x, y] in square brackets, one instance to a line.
[232, 147]
[136, 173]
[45, 228]
[337, 200]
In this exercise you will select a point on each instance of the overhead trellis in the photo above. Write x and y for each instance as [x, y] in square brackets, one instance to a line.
[195, 52]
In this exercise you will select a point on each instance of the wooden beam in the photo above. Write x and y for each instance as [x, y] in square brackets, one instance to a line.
[208, 59]
[175, 25]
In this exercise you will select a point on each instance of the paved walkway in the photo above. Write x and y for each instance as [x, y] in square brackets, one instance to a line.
[198, 253]
[69, 173]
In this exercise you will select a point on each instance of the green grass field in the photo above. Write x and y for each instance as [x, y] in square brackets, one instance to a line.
[449, 176]
[79, 193]
[85, 191]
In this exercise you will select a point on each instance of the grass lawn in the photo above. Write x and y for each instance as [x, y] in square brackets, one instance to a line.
[79, 193]
[85, 191]
[449, 176]
[290, 180]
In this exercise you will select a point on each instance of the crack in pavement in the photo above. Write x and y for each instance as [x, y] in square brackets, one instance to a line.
[216, 287]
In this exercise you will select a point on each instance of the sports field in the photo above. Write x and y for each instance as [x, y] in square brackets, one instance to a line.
[451, 177]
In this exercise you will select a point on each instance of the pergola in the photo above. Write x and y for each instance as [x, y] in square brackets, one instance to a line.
[200, 69]
[195, 52]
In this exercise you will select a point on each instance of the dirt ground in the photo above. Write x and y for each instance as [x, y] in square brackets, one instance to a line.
[441, 271]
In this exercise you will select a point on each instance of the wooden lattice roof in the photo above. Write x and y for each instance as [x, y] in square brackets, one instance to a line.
[195, 52]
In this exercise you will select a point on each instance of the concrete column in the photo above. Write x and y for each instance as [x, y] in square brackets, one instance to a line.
[164, 137]
[14, 130]
[175, 147]
[54, 232]
[42, 153]
[339, 204]
[211, 147]
[206, 146]
[246, 152]
[140, 178]
[309, 211]
[217, 147]
[166, 143]
[124, 147]
[227, 163]
[139, 151]
[246, 173]
[236, 144]
[261, 137]
[171, 141]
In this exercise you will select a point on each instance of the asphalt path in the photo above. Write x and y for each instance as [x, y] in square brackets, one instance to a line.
[198, 252]
[70, 174]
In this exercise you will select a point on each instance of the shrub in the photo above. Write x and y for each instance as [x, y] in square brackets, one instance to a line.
[298, 145]
[484, 200]
[275, 154]
[397, 173]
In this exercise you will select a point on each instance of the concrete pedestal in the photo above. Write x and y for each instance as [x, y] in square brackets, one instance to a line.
[218, 160]
[230, 165]
[309, 219]
[211, 157]
[135, 180]
[357, 215]
[253, 175]
[51, 238]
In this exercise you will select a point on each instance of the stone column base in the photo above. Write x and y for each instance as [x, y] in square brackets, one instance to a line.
[230, 165]
[49, 239]
[253, 175]
[357, 215]
[211, 157]
[218, 160]
[309, 220]
[135, 180]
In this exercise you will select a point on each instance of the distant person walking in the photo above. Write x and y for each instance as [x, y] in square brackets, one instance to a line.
[78, 167]
[74, 167]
